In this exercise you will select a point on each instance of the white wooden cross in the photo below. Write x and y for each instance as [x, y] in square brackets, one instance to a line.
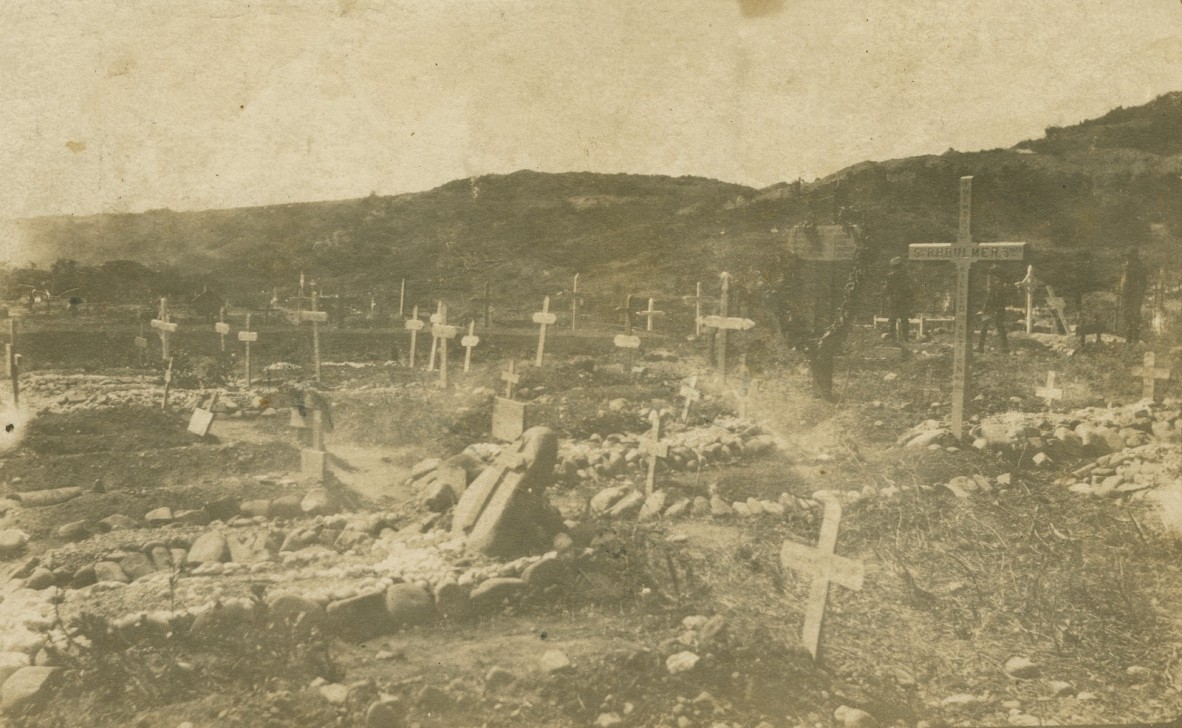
[435, 320]
[468, 342]
[627, 341]
[247, 337]
[317, 317]
[543, 319]
[964, 252]
[1149, 374]
[649, 313]
[825, 567]
[141, 343]
[574, 303]
[222, 327]
[511, 379]
[652, 446]
[1059, 305]
[414, 325]
[166, 329]
[691, 394]
[723, 323]
[443, 332]
[1050, 392]
[401, 298]
[1027, 284]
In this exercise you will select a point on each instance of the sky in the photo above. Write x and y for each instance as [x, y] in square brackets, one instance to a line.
[128, 105]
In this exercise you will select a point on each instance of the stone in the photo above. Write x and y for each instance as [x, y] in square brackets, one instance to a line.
[118, 522]
[1061, 689]
[653, 506]
[681, 662]
[251, 547]
[438, 496]
[287, 506]
[608, 720]
[409, 605]
[701, 506]
[24, 686]
[678, 508]
[854, 717]
[628, 506]
[10, 662]
[555, 661]
[209, 547]
[335, 693]
[12, 542]
[1040, 458]
[73, 531]
[192, 517]
[160, 556]
[713, 630]
[359, 618]
[260, 507]
[84, 577]
[962, 486]
[41, 578]
[231, 615]
[317, 502]
[110, 571]
[1020, 668]
[451, 599]
[492, 593]
[137, 565]
[741, 509]
[603, 501]
[387, 713]
[297, 613]
[423, 467]
[546, 573]
[720, 508]
[158, 516]
[497, 677]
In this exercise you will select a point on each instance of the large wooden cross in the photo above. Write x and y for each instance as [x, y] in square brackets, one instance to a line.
[444, 333]
[511, 379]
[652, 446]
[468, 342]
[1149, 374]
[649, 313]
[316, 317]
[964, 252]
[247, 337]
[222, 328]
[543, 319]
[1050, 392]
[824, 566]
[1058, 304]
[723, 323]
[166, 329]
[627, 341]
[414, 325]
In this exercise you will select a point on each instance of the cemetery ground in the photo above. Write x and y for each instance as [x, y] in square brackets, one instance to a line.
[164, 579]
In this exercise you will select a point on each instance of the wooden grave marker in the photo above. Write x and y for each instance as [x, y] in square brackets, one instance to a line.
[1149, 374]
[316, 317]
[469, 342]
[509, 415]
[141, 345]
[247, 337]
[691, 394]
[825, 567]
[222, 328]
[1058, 304]
[414, 325]
[486, 302]
[14, 364]
[166, 329]
[1028, 284]
[723, 323]
[443, 332]
[574, 303]
[314, 459]
[543, 319]
[434, 319]
[402, 298]
[626, 341]
[1050, 392]
[202, 418]
[698, 309]
[167, 386]
[652, 446]
[963, 253]
[649, 313]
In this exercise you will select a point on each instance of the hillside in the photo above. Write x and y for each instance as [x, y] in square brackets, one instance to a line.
[1098, 186]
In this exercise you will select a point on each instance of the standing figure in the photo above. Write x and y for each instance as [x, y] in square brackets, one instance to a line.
[898, 300]
[1133, 282]
[994, 310]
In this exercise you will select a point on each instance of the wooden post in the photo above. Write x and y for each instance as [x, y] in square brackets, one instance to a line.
[413, 324]
[222, 327]
[166, 329]
[652, 446]
[698, 309]
[964, 252]
[511, 379]
[468, 342]
[401, 298]
[315, 335]
[627, 341]
[723, 304]
[691, 394]
[167, 385]
[543, 319]
[574, 304]
[141, 345]
[1027, 284]
[824, 566]
[1058, 304]
[435, 321]
[14, 364]
[487, 307]
[246, 337]
[443, 332]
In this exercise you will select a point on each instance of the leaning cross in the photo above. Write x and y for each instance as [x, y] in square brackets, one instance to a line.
[316, 317]
[690, 392]
[649, 313]
[222, 327]
[652, 446]
[543, 319]
[511, 378]
[468, 342]
[824, 566]
[165, 328]
[414, 325]
[247, 337]
[964, 252]
[443, 332]
[1149, 375]
[1059, 305]
[1049, 393]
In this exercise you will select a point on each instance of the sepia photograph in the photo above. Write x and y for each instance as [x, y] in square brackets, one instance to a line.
[609, 364]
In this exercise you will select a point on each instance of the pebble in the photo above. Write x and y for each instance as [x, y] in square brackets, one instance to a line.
[1021, 668]
[854, 717]
[555, 661]
[681, 662]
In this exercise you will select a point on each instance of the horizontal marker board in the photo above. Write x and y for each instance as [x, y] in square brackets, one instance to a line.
[545, 318]
[248, 336]
[984, 251]
[164, 326]
[623, 341]
[444, 331]
[318, 317]
[221, 328]
[470, 341]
